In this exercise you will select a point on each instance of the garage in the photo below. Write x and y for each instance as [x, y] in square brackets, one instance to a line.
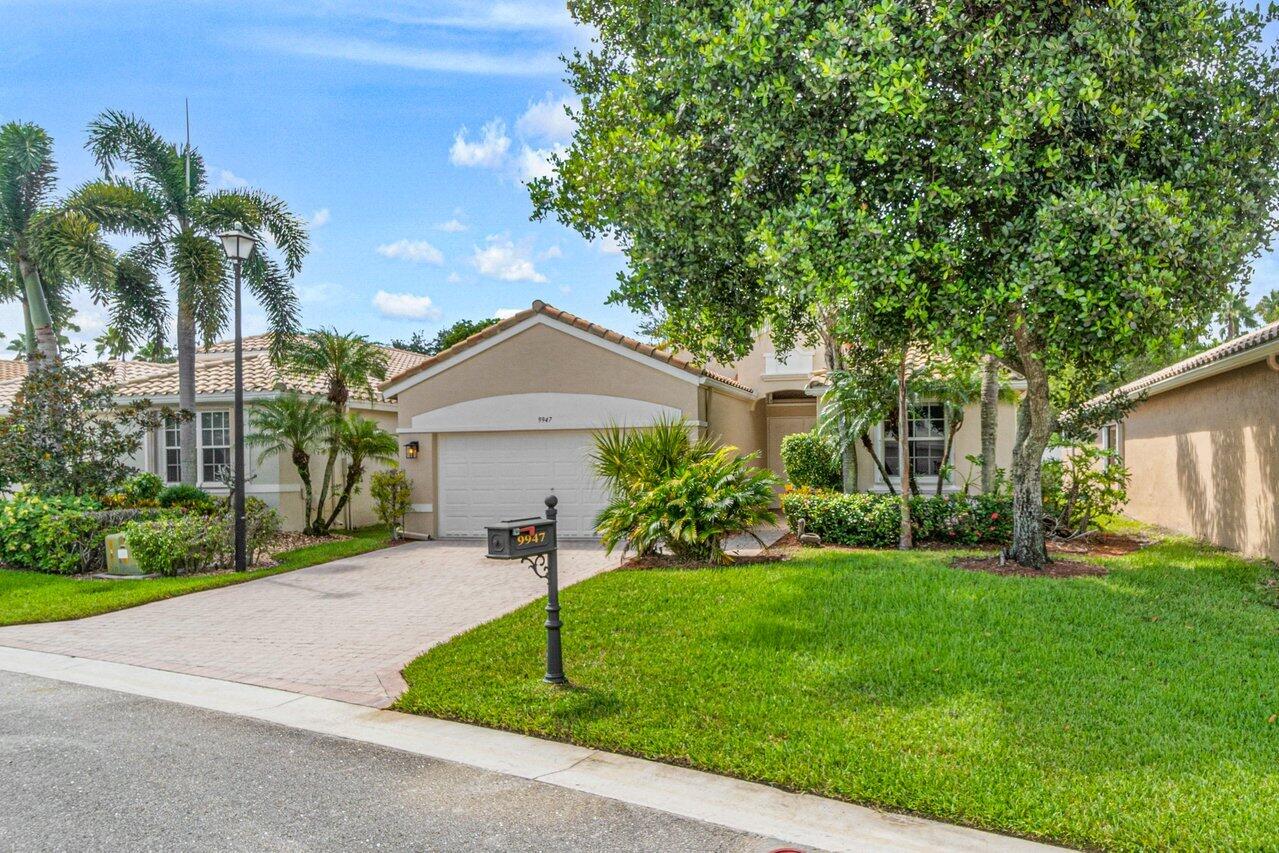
[492, 476]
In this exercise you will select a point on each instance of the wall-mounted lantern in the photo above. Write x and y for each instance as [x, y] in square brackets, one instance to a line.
[410, 450]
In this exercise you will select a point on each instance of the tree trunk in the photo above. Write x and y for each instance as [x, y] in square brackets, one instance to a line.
[904, 540]
[879, 463]
[302, 462]
[989, 422]
[29, 343]
[46, 342]
[187, 426]
[354, 474]
[1034, 429]
[848, 468]
[318, 525]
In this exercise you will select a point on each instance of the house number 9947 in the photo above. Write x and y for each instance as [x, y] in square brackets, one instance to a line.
[544, 419]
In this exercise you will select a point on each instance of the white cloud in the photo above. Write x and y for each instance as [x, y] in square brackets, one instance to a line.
[547, 119]
[320, 292]
[609, 245]
[553, 252]
[231, 180]
[504, 260]
[565, 289]
[454, 278]
[405, 305]
[320, 217]
[536, 162]
[509, 64]
[506, 313]
[453, 226]
[489, 151]
[503, 16]
[417, 251]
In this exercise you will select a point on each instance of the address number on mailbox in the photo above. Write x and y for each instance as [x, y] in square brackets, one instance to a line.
[521, 537]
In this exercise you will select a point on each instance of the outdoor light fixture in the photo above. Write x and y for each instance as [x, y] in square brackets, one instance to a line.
[410, 450]
[237, 245]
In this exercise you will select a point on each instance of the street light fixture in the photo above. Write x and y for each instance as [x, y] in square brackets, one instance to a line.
[239, 247]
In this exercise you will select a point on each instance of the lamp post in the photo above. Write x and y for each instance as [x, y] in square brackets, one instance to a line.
[238, 247]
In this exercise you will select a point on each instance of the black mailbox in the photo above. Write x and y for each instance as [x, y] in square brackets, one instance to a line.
[521, 537]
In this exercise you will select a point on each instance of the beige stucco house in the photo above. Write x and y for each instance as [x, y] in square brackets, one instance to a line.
[274, 479]
[1202, 445]
[491, 426]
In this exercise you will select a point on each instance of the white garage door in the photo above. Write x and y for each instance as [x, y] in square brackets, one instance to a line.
[489, 476]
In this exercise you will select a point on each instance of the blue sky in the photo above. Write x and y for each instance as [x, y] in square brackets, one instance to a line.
[402, 130]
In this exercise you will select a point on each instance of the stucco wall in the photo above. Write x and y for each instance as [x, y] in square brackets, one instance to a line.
[1204, 460]
[734, 420]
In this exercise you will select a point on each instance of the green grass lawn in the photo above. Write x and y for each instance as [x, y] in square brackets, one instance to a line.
[1127, 711]
[37, 597]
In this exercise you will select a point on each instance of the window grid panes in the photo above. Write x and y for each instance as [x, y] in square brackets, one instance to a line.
[215, 445]
[926, 438]
[172, 451]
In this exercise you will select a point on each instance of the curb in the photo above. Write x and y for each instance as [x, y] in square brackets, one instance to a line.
[743, 806]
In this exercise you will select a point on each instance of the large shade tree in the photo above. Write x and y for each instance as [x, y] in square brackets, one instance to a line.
[1060, 185]
[157, 192]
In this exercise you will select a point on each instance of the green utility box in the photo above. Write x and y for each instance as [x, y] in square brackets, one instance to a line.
[119, 559]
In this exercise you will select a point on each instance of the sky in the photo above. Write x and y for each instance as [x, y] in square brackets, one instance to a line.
[401, 131]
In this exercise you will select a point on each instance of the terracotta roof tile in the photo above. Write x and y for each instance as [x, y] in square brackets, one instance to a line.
[397, 360]
[540, 307]
[12, 369]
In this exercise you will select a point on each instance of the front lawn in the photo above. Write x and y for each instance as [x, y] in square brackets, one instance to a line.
[39, 597]
[1126, 711]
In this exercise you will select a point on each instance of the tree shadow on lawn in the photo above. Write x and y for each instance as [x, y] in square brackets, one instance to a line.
[1129, 704]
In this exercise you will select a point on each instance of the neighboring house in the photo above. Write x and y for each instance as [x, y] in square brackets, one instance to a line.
[12, 373]
[275, 480]
[492, 425]
[1203, 445]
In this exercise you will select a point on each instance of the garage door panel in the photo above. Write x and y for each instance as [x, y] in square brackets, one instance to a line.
[485, 477]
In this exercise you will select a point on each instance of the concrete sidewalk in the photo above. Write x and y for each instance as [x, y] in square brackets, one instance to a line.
[744, 807]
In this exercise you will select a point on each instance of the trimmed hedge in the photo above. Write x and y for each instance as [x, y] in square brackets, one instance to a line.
[810, 461]
[185, 544]
[59, 535]
[872, 521]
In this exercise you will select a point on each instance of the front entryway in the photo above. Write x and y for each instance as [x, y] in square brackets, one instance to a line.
[490, 476]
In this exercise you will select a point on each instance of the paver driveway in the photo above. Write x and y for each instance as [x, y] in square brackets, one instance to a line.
[342, 630]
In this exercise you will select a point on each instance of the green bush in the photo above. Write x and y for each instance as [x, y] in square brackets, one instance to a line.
[810, 461]
[1088, 482]
[184, 496]
[60, 535]
[185, 544]
[674, 492]
[393, 491]
[873, 521]
[142, 487]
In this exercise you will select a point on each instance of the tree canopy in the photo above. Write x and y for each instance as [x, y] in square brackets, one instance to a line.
[444, 338]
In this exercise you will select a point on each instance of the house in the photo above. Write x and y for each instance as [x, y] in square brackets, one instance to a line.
[12, 374]
[492, 425]
[274, 480]
[1202, 445]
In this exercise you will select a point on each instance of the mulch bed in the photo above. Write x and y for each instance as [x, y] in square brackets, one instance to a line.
[1099, 545]
[1055, 569]
[290, 541]
[666, 561]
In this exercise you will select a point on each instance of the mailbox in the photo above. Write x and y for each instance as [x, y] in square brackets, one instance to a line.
[521, 537]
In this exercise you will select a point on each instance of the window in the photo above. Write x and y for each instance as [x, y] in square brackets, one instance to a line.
[1108, 439]
[926, 439]
[172, 450]
[215, 445]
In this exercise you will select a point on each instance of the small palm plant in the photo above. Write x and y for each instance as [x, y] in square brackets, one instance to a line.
[670, 490]
[290, 425]
[363, 441]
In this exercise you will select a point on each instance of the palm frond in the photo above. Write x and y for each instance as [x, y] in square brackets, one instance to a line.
[120, 205]
[117, 137]
[70, 242]
[276, 295]
[27, 175]
[260, 214]
[139, 307]
[200, 272]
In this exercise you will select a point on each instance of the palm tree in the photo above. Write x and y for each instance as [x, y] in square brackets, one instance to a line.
[294, 425]
[1237, 315]
[1268, 307]
[45, 249]
[362, 440]
[854, 404]
[163, 199]
[342, 361]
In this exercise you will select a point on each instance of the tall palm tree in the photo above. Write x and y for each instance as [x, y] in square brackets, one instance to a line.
[1237, 315]
[157, 191]
[290, 425]
[362, 441]
[1268, 307]
[344, 362]
[855, 403]
[46, 249]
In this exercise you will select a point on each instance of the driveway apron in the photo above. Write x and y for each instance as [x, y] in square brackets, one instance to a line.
[342, 630]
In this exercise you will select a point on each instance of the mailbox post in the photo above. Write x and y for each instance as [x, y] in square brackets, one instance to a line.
[532, 541]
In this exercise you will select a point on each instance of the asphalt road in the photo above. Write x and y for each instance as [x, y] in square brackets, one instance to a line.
[86, 769]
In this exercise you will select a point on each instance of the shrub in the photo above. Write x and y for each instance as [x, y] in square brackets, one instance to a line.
[810, 461]
[186, 496]
[142, 487]
[183, 544]
[392, 490]
[58, 535]
[1087, 483]
[694, 510]
[872, 521]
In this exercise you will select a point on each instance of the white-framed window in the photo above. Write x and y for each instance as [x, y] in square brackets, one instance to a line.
[172, 460]
[796, 362]
[215, 445]
[926, 442]
[1110, 437]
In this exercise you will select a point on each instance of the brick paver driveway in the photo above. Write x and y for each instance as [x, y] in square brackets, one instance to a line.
[342, 630]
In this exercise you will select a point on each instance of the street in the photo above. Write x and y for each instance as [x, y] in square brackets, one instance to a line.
[89, 769]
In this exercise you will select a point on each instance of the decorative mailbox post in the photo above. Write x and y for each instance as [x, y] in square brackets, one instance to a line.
[532, 541]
